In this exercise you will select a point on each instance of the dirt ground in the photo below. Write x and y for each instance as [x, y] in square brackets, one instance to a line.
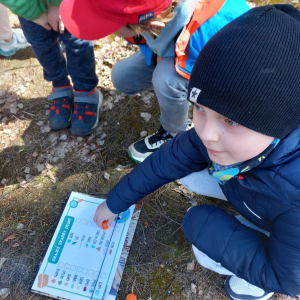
[39, 169]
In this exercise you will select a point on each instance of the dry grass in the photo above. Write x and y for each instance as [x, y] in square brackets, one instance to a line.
[156, 266]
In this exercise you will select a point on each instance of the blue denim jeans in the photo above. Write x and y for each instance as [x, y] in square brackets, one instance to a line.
[132, 75]
[80, 63]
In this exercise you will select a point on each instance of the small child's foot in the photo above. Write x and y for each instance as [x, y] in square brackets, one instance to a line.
[140, 150]
[61, 107]
[17, 42]
[239, 289]
[86, 112]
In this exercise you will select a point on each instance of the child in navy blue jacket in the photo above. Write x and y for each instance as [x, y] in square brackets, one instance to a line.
[245, 148]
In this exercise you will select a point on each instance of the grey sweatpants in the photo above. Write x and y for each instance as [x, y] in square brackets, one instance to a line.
[204, 184]
[131, 76]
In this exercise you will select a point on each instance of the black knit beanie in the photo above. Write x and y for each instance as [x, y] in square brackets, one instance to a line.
[250, 71]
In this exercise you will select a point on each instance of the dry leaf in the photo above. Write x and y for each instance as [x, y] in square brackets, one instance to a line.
[16, 245]
[10, 237]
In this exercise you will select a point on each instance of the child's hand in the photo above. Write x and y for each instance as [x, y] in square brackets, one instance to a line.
[54, 19]
[43, 21]
[103, 214]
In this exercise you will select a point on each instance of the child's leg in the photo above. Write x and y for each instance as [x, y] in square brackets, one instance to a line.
[47, 50]
[80, 62]
[171, 92]
[132, 75]
[82, 69]
[212, 265]
[204, 184]
[5, 29]
[11, 40]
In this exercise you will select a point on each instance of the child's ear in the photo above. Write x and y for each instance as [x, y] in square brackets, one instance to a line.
[157, 24]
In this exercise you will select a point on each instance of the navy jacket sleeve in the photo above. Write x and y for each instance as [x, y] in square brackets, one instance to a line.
[173, 160]
[271, 263]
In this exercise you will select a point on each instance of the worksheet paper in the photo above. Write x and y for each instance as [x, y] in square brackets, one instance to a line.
[84, 261]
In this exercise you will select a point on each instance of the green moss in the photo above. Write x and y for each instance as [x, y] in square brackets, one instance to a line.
[162, 282]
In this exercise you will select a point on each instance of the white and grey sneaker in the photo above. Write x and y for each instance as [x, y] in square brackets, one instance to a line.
[140, 150]
[239, 289]
[17, 42]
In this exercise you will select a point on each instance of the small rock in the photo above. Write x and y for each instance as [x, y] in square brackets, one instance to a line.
[114, 44]
[106, 175]
[4, 120]
[79, 139]
[193, 288]
[4, 293]
[143, 133]
[120, 168]
[29, 177]
[6, 131]
[27, 170]
[53, 137]
[20, 226]
[147, 98]
[100, 142]
[12, 99]
[45, 129]
[21, 105]
[105, 123]
[34, 154]
[47, 112]
[146, 116]
[32, 233]
[4, 181]
[2, 93]
[40, 167]
[103, 136]
[13, 110]
[125, 44]
[200, 293]
[2, 261]
[117, 38]
[40, 123]
[20, 180]
[63, 137]
[190, 266]
[90, 137]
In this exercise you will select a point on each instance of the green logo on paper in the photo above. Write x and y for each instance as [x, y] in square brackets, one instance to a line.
[61, 240]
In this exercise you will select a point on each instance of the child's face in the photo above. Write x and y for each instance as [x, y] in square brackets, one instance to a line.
[227, 142]
[125, 32]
